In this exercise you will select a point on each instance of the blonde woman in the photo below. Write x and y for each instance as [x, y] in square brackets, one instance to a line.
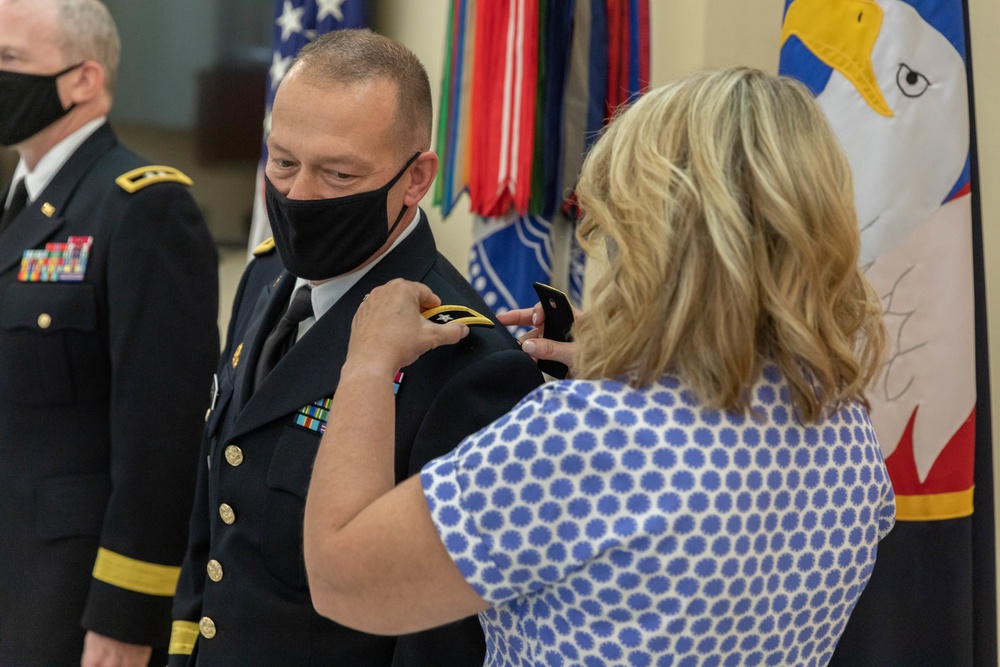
[708, 489]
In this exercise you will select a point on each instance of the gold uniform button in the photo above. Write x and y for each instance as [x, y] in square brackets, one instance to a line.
[227, 514]
[214, 569]
[44, 321]
[234, 455]
[207, 627]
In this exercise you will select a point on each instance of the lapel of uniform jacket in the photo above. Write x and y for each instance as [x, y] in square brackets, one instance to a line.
[311, 368]
[33, 226]
[269, 307]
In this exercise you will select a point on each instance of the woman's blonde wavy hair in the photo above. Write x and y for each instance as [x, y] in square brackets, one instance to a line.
[726, 207]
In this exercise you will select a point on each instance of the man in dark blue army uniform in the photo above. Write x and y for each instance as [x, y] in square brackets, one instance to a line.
[108, 338]
[348, 163]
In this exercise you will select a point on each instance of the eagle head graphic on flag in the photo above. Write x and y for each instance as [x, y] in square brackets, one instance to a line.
[891, 78]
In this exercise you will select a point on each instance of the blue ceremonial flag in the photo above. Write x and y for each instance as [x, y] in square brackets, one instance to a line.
[296, 23]
[892, 78]
[504, 284]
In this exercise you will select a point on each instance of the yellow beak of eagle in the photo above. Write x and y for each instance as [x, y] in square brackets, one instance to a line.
[842, 34]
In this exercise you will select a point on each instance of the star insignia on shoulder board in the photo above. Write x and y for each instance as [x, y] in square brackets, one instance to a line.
[450, 313]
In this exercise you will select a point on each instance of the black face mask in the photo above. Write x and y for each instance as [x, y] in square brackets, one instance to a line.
[322, 238]
[29, 103]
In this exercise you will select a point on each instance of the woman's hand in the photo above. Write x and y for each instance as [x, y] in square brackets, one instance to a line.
[532, 342]
[389, 332]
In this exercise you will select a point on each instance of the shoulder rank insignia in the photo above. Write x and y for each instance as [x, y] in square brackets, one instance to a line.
[137, 179]
[264, 248]
[463, 314]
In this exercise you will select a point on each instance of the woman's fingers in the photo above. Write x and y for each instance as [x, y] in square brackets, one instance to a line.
[517, 318]
[543, 348]
[533, 342]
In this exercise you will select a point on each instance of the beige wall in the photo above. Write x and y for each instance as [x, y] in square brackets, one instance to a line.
[984, 17]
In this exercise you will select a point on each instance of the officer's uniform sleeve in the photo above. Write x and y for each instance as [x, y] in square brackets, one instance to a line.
[162, 296]
[191, 585]
[473, 398]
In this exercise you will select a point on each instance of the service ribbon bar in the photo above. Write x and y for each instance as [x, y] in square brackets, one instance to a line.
[314, 415]
[57, 262]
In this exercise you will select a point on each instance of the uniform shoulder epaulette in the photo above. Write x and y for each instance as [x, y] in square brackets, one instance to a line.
[137, 179]
[264, 248]
[445, 313]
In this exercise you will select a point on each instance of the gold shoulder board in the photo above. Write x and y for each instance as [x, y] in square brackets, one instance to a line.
[464, 314]
[137, 179]
[264, 248]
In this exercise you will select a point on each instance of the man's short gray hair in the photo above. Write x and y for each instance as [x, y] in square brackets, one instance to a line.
[356, 56]
[87, 32]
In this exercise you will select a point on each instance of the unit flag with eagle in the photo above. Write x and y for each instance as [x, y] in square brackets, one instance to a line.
[893, 78]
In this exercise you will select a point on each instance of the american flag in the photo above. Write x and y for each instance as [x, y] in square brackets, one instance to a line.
[296, 23]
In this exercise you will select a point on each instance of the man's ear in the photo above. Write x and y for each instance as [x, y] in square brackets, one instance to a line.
[422, 173]
[82, 84]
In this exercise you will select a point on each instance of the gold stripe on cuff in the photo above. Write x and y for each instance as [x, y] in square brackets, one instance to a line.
[135, 575]
[183, 635]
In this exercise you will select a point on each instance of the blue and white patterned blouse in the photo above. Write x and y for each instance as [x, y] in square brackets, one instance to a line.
[616, 526]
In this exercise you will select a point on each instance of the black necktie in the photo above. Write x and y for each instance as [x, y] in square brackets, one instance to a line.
[280, 339]
[17, 203]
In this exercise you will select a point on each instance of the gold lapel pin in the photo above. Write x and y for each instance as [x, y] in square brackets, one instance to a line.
[236, 355]
[48, 210]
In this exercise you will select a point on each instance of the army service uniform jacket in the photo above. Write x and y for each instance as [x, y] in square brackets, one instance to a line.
[243, 597]
[102, 400]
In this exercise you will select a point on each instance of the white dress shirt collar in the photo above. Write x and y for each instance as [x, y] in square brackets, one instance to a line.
[50, 164]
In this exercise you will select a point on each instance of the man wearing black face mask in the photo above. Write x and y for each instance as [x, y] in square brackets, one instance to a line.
[348, 164]
[108, 336]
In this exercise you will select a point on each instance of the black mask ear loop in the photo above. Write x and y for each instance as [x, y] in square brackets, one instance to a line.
[391, 183]
[67, 71]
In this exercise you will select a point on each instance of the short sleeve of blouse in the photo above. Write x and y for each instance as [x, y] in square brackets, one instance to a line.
[531, 497]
